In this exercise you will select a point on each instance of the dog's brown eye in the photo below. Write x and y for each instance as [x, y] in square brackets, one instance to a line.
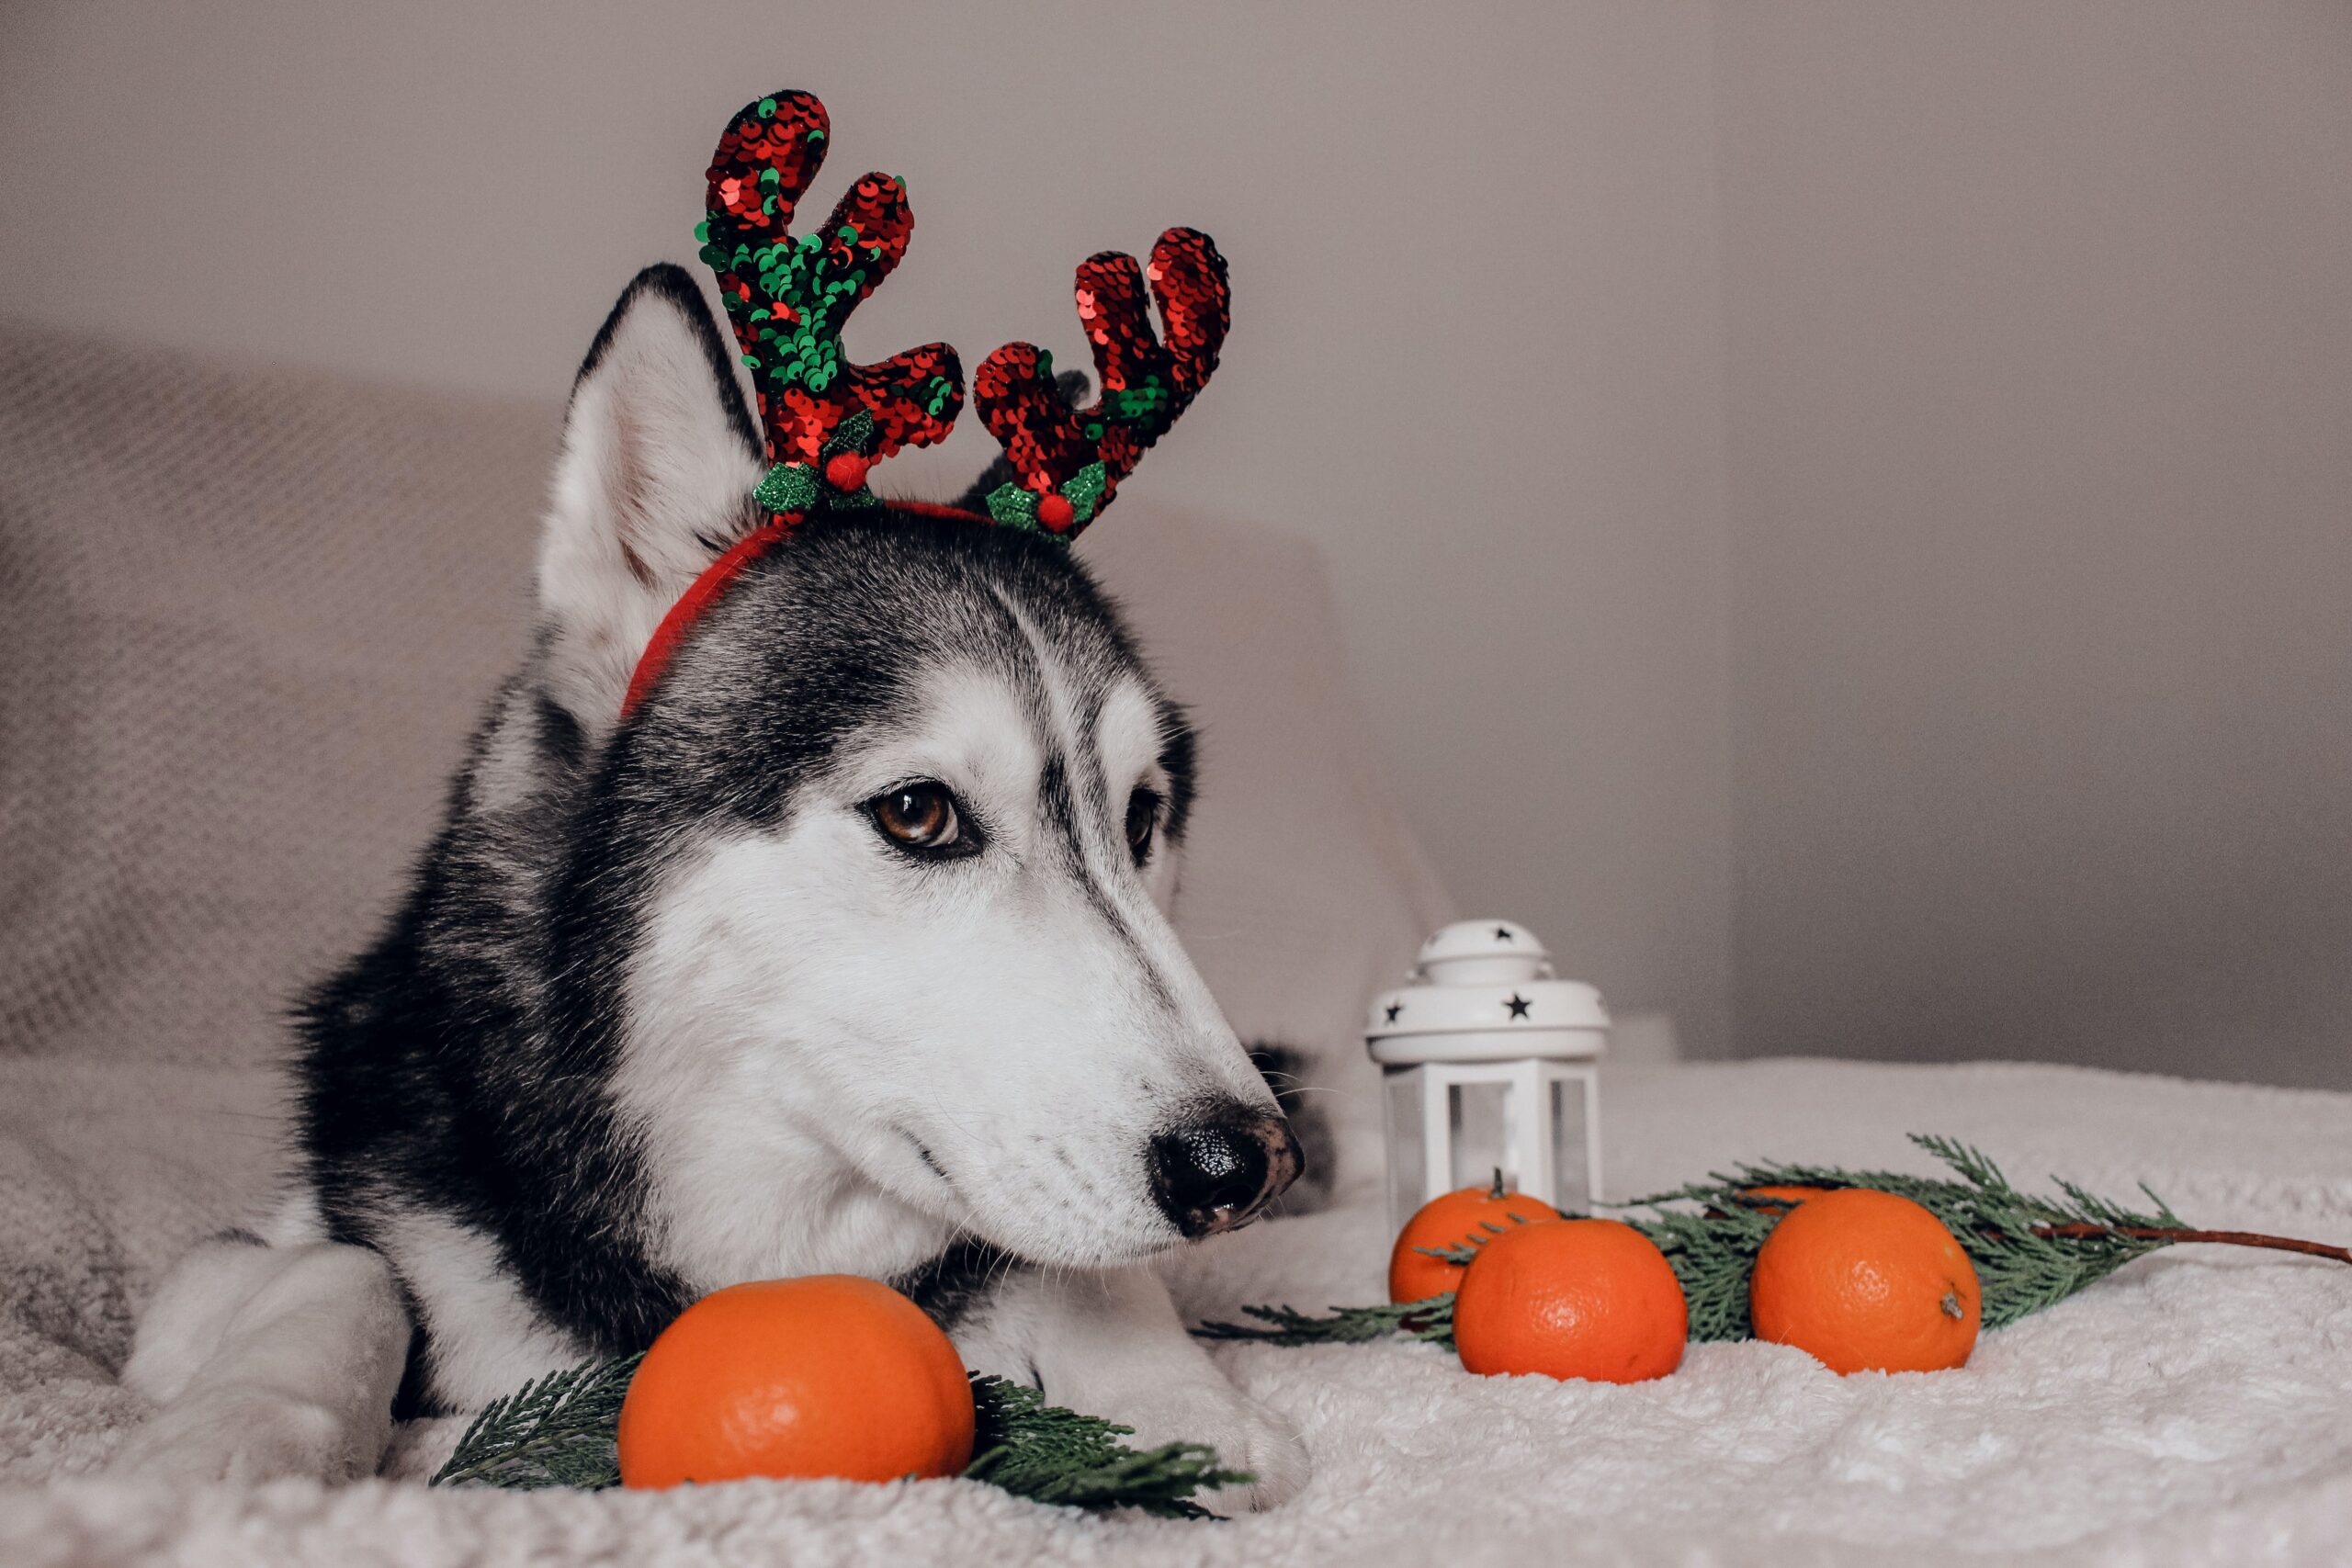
[923, 817]
[1143, 820]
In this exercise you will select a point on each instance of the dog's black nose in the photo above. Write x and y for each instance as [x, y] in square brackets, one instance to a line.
[1217, 1173]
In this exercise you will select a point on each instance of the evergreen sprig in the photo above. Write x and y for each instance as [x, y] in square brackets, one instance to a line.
[560, 1430]
[1431, 1320]
[1048, 1454]
[2029, 1252]
[553, 1431]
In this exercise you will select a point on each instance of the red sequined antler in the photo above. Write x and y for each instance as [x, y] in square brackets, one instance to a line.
[826, 418]
[1070, 462]
[788, 298]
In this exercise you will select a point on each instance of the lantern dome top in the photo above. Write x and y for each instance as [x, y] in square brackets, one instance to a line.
[1484, 991]
[1480, 950]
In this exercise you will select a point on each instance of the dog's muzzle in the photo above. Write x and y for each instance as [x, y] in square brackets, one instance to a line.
[1216, 1174]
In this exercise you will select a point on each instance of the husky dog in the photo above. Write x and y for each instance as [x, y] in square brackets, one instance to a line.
[844, 953]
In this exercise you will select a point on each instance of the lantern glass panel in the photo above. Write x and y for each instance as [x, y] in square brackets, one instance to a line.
[1481, 1118]
[1570, 1139]
[1407, 1156]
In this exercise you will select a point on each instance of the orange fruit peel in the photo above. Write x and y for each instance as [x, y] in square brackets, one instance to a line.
[826, 1375]
[1591, 1298]
[1865, 1280]
[1466, 1216]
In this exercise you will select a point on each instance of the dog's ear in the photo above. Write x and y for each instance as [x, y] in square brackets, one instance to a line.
[654, 481]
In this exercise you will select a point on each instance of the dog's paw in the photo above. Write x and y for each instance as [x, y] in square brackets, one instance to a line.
[242, 1434]
[1246, 1435]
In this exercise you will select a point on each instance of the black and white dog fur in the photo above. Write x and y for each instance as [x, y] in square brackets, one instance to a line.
[845, 952]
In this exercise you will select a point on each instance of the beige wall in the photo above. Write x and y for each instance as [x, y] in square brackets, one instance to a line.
[1476, 354]
[2040, 372]
[1924, 423]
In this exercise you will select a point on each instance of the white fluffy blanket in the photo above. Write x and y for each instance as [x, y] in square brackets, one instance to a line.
[2195, 1408]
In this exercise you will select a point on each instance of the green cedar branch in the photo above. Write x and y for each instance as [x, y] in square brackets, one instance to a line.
[561, 1430]
[1048, 1454]
[1431, 1320]
[2029, 1252]
[553, 1431]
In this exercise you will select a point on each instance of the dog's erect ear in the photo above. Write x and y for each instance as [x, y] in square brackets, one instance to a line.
[654, 481]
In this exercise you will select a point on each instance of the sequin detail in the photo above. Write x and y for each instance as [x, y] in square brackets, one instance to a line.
[790, 298]
[1147, 379]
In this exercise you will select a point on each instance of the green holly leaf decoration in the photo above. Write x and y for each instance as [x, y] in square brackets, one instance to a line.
[1015, 506]
[1084, 490]
[854, 433]
[789, 487]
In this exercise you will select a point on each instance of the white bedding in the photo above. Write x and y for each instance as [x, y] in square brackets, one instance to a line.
[2195, 1408]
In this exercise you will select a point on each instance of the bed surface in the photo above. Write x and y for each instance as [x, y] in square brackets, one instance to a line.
[246, 616]
[2196, 1407]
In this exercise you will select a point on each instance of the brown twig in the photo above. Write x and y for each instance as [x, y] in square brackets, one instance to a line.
[2083, 1232]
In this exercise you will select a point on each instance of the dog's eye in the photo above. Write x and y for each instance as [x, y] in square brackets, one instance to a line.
[923, 819]
[1143, 821]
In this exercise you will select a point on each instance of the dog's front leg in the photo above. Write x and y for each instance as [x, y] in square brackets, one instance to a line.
[268, 1362]
[1110, 1344]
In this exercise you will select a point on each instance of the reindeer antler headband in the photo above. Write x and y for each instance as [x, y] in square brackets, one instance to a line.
[827, 421]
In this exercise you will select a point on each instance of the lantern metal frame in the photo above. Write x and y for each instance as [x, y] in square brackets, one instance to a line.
[1529, 1138]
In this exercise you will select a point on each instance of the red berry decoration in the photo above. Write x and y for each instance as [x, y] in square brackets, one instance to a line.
[845, 471]
[1056, 513]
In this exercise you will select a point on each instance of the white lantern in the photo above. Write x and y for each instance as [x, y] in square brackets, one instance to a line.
[1489, 1062]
